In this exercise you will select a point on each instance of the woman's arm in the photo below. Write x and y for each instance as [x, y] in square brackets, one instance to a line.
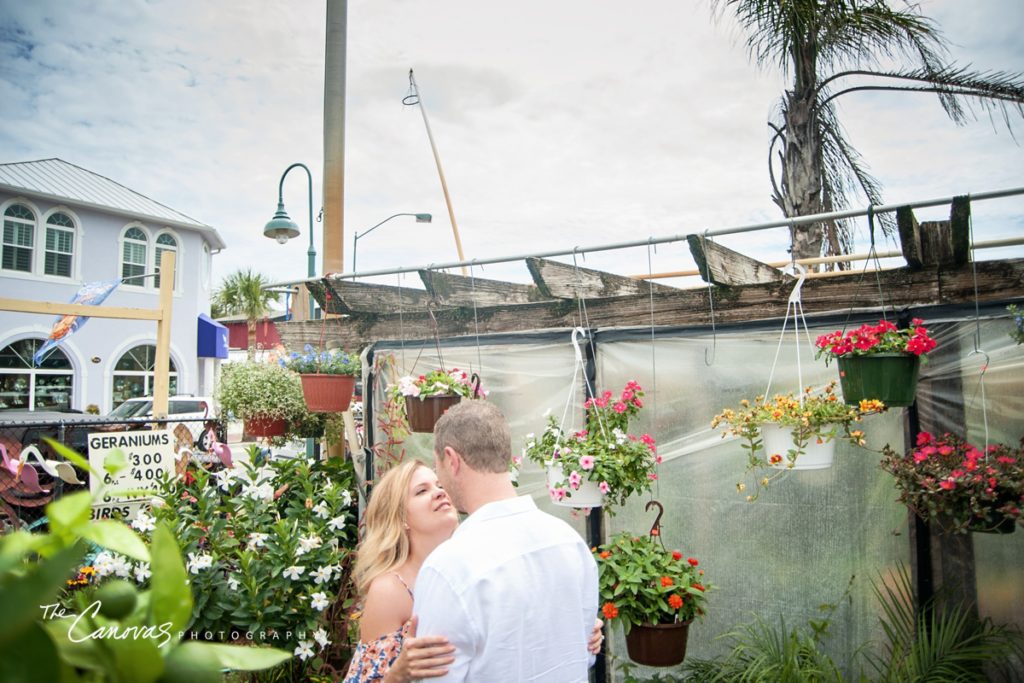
[426, 657]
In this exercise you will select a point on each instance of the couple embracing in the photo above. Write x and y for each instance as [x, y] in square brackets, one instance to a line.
[508, 595]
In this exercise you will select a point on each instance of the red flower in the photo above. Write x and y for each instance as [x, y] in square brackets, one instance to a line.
[676, 555]
[620, 407]
[698, 587]
[610, 611]
[674, 601]
[924, 438]
[666, 581]
[693, 561]
[947, 485]
[189, 478]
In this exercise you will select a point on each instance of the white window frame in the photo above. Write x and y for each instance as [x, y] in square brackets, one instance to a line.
[76, 247]
[33, 372]
[147, 375]
[34, 257]
[137, 283]
[178, 260]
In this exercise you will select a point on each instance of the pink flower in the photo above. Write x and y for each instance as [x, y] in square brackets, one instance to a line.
[605, 488]
[557, 493]
[626, 395]
[588, 404]
[601, 402]
[947, 484]
[587, 462]
[574, 479]
[652, 476]
[607, 395]
[647, 439]
[924, 438]
[637, 402]
[657, 459]
[620, 407]
[920, 457]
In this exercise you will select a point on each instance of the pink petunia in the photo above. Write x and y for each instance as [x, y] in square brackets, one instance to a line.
[605, 488]
[574, 480]
[620, 407]
[587, 462]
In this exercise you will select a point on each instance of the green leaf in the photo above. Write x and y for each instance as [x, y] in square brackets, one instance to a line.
[170, 595]
[137, 658]
[69, 514]
[192, 662]
[117, 536]
[16, 545]
[69, 454]
[83, 654]
[29, 657]
[115, 461]
[241, 658]
[22, 596]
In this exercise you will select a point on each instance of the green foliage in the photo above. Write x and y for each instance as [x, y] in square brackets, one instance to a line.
[247, 390]
[243, 293]
[640, 582]
[441, 382]
[132, 637]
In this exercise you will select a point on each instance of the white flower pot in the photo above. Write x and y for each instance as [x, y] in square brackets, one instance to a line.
[778, 439]
[588, 495]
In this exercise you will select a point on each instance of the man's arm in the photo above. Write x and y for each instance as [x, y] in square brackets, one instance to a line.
[442, 613]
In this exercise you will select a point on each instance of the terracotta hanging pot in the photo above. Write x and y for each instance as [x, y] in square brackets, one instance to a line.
[888, 377]
[327, 393]
[423, 413]
[658, 644]
[265, 426]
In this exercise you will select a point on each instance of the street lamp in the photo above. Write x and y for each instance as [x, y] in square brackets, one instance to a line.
[420, 218]
[282, 228]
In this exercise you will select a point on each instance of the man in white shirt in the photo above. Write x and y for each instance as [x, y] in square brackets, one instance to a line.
[514, 589]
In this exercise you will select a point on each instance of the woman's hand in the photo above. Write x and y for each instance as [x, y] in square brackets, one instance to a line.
[596, 638]
[426, 657]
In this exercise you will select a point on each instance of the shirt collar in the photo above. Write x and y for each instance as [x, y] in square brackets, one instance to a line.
[497, 509]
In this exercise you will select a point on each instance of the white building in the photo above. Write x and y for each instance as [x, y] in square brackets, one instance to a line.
[65, 226]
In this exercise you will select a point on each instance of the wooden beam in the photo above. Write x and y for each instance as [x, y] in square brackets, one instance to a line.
[722, 266]
[997, 281]
[960, 227]
[336, 295]
[561, 281]
[162, 363]
[53, 308]
[910, 236]
[455, 290]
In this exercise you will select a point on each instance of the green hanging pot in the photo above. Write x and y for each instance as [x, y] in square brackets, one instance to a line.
[889, 377]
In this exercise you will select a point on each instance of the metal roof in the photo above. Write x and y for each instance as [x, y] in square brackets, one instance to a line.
[60, 180]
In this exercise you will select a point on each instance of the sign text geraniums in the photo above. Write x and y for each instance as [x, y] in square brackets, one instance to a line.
[884, 337]
[957, 484]
[440, 382]
[640, 582]
[603, 452]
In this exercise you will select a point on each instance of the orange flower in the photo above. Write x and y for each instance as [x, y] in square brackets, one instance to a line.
[610, 611]
[666, 581]
[675, 602]
[676, 555]
[605, 554]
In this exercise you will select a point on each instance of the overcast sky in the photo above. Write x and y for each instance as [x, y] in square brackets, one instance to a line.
[559, 123]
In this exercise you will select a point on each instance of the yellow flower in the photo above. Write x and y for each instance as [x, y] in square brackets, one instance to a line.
[741, 487]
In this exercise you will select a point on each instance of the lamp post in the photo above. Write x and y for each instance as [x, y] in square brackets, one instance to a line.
[420, 218]
[282, 228]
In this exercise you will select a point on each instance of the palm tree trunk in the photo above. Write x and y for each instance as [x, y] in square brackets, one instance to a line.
[251, 325]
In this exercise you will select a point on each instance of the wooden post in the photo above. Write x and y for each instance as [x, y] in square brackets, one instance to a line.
[161, 382]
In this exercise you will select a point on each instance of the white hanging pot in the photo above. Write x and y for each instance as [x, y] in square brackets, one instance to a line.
[588, 495]
[778, 440]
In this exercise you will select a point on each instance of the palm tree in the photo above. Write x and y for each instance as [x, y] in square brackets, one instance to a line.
[833, 48]
[244, 292]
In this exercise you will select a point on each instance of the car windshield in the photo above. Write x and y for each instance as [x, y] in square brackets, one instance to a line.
[131, 409]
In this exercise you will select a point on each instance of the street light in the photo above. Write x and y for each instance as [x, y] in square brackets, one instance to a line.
[282, 228]
[420, 218]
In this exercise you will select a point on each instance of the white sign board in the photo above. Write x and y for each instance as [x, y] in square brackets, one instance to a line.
[150, 456]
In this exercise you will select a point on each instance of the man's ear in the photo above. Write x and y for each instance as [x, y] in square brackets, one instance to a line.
[453, 459]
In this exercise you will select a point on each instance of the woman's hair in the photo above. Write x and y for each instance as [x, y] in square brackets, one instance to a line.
[385, 544]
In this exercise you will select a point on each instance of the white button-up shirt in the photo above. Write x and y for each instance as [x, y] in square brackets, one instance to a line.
[515, 591]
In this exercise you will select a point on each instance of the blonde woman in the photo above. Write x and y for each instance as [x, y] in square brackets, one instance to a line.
[408, 516]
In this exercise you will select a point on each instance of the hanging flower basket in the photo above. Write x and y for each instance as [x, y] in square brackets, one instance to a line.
[888, 377]
[266, 426]
[327, 393]
[816, 453]
[423, 413]
[658, 644]
[579, 492]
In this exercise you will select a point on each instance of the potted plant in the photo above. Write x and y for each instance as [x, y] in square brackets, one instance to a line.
[428, 396]
[328, 377]
[653, 592]
[958, 485]
[1017, 333]
[878, 361]
[265, 395]
[601, 463]
[794, 432]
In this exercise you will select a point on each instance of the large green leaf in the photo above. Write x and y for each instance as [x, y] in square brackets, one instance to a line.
[68, 515]
[170, 596]
[22, 596]
[116, 536]
[30, 657]
[75, 646]
[137, 658]
[192, 662]
[69, 454]
[14, 546]
[242, 658]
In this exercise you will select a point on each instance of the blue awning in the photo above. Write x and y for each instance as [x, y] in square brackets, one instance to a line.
[212, 340]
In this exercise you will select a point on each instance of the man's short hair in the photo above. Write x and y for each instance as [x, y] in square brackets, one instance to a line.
[477, 431]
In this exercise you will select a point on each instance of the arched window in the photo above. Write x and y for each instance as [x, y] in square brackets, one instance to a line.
[133, 374]
[135, 248]
[60, 245]
[26, 387]
[19, 238]
[164, 242]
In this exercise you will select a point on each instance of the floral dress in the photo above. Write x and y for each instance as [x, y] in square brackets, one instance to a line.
[372, 660]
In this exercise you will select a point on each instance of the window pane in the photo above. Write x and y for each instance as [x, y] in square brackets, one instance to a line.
[19, 211]
[14, 391]
[19, 356]
[60, 219]
[53, 392]
[58, 264]
[17, 246]
[167, 240]
[135, 234]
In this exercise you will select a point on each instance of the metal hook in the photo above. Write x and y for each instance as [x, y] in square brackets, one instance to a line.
[656, 527]
[794, 296]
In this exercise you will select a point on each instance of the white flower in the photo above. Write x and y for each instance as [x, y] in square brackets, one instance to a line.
[256, 540]
[320, 636]
[328, 485]
[225, 478]
[407, 386]
[199, 562]
[294, 572]
[142, 572]
[319, 601]
[337, 524]
[122, 567]
[321, 511]
[233, 582]
[143, 523]
[259, 492]
[104, 564]
[321, 574]
[304, 650]
[346, 497]
[307, 543]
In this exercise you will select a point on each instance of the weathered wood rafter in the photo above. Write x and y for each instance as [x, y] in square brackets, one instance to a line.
[458, 290]
[561, 281]
[722, 266]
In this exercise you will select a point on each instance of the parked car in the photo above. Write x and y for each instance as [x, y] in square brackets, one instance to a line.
[179, 407]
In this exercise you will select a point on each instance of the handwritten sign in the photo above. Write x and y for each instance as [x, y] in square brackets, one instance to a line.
[149, 456]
